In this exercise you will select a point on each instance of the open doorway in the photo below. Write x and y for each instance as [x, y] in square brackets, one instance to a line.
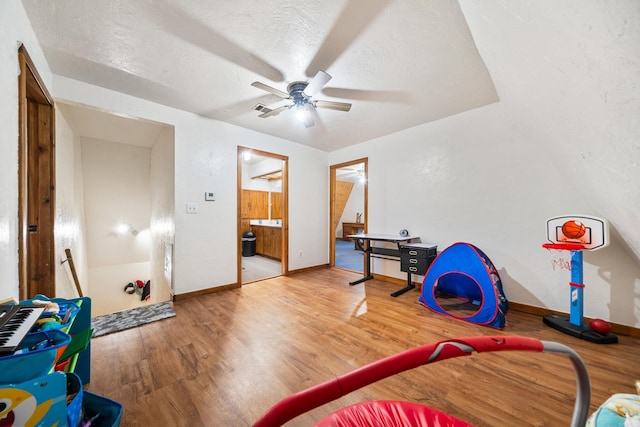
[348, 212]
[121, 194]
[262, 215]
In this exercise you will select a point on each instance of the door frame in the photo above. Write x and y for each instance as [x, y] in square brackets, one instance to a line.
[36, 200]
[284, 259]
[332, 200]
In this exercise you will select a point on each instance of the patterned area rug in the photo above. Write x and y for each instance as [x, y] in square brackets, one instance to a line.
[109, 323]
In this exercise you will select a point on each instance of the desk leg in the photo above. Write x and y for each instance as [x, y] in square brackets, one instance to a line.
[367, 265]
[364, 279]
[407, 288]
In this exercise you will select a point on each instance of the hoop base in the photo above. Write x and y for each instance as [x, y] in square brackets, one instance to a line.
[562, 324]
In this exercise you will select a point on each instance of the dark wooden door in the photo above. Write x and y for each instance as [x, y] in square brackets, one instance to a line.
[36, 183]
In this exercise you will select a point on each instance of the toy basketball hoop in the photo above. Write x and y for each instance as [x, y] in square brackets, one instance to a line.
[577, 233]
[590, 232]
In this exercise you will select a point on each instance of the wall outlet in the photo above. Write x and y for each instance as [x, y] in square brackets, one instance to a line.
[299, 254]
[192, 208]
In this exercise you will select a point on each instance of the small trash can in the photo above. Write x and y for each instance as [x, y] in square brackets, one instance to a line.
[248, 243]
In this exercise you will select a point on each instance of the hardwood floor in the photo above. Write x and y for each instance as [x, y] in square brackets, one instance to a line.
[227, 357]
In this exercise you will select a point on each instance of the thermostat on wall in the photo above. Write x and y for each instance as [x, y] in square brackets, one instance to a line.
[209, 197]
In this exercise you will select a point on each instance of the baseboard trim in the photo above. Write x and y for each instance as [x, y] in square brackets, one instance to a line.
[616, 328]
[524, 308]
[201, 292]
[306, 269]
[540, 311]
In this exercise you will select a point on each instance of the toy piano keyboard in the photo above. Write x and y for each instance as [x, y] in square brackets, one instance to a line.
[15, 323]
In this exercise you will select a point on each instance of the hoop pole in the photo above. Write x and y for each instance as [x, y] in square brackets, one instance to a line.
[575, 292]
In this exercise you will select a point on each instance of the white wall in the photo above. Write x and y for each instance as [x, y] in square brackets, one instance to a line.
[162, 213]
[117, 191]
[206, 160]
[70, 232]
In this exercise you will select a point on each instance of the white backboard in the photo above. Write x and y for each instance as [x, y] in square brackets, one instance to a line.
[590, 231]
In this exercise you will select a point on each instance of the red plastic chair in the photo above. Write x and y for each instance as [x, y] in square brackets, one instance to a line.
[394, 413]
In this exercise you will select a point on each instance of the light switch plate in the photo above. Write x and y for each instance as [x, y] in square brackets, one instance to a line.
[210, 197]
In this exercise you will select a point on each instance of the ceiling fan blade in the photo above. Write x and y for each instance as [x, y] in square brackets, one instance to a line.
[321, 78]
[275, 111]
[273, 90]
[355, 18]
[179, 21]
[370, 95]
[332, 105]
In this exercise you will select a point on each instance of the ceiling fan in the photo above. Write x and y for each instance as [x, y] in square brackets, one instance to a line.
[301, 94]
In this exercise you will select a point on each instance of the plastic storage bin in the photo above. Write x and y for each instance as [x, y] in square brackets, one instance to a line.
[36, 402]
[74, 407]
[16, 368]
[109, 411]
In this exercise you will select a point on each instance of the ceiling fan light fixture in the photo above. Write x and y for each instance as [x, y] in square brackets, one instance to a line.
[301, 112]
[301, 94]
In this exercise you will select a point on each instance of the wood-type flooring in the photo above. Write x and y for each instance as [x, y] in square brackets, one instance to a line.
[228, 356]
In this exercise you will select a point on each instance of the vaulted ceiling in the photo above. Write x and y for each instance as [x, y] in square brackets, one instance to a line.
[399, 63]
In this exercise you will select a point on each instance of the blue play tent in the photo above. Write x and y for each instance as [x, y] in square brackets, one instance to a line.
[462, 270]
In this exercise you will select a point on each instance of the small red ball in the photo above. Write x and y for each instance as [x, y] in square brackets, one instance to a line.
[600, 326]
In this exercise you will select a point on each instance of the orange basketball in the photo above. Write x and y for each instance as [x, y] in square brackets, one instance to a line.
[573, 229]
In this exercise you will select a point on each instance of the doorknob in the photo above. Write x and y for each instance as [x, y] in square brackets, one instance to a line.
[32, 228]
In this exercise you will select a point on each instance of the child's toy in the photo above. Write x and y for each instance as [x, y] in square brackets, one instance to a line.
[620, 410]
[395, 413]
[464, 271]
[141, 288]
[577, 233]
[600, 326]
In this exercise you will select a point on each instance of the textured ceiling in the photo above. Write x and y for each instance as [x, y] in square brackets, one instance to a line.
[400, 63]
[101, 125]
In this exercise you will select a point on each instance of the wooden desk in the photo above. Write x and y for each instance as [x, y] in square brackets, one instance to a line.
[351, 228]
[364, 243]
